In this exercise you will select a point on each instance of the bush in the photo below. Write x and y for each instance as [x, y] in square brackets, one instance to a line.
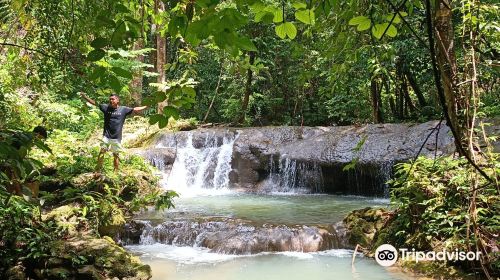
[437, 208]
[71, 116]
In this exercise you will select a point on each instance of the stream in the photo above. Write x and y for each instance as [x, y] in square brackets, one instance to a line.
[215, 232]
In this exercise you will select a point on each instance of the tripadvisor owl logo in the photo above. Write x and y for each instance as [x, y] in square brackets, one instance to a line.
[386, 255]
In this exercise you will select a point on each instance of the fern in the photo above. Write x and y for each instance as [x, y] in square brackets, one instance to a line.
[6, 13]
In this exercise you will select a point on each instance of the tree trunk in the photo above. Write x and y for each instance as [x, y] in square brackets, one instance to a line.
[248, 88]
[407, 97]
[376, 102]
[413, 83]
[136, 84]
[447, 63]
[392, 104]
[161, 54]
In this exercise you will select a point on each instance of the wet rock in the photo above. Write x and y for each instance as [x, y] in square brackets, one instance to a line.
[161, 157]
[373, 148]
[233, 236]
[57, 262]
[132, 231]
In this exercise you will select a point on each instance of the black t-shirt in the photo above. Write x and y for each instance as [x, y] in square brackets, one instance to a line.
[114, 118]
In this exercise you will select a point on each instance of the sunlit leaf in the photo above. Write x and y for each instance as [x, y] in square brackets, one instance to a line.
[286, 29]
[364, 25]
[358, 20]
[305, 16]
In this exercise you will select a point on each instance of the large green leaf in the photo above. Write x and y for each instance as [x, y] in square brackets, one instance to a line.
[264, 16]
[97, 73]
[115, 84]
[229, 17]
[286, 29]
[155, 118]
[149, 101]
[306, 16]
[358, 20]
[278, 15]
[379, 29]
[291, 31]
[121, 8]
[280, 31]
[119, 35]
[99, 43]
[299, 5]
[177, 25]
[170, 111]
[104, 20]
[162, 120]
[96, 55]
[392, 31]
[122, 72]
[364, 25]
[397, 19]
[245, 44]
[189, 92]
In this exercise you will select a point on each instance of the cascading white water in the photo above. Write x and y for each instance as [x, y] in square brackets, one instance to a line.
[201, 170]
[386, 175]
[291, 176]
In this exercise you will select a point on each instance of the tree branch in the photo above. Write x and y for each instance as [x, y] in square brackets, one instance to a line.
[29, 49]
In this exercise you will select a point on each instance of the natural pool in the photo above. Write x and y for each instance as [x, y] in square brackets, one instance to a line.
[277, 209]
[178, 263]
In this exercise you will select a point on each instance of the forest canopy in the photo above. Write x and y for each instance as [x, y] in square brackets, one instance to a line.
[315, 62]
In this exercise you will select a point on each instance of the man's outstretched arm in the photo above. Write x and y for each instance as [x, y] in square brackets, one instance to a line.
[86, 98]
[139, 109]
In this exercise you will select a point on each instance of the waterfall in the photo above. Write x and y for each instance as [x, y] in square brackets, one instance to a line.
[202, 164]
[385, 175]
[291, 176]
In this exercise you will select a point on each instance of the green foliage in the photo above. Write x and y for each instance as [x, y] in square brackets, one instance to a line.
[24, 235]
[437, 207]
[16, 164]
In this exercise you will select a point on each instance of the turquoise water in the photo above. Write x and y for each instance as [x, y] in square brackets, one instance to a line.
[170, 262]
[183, 263]
[275, 209]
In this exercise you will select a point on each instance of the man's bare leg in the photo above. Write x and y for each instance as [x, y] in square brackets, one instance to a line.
[116, 161]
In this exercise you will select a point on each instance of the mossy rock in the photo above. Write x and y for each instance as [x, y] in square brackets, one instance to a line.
[65, 217]
[104, 256]
[362, 225]
[435, 269]
[58, 273]
[113, 220]
[16, 272]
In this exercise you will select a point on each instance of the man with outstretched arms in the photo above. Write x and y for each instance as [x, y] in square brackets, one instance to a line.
[114, 118]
